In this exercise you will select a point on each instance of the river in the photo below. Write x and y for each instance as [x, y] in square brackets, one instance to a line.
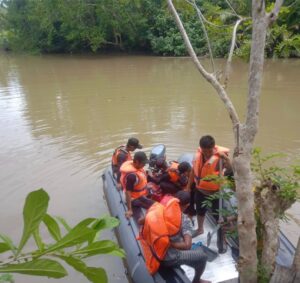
[62, 116]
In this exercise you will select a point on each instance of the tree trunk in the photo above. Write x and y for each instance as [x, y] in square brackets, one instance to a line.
[270, 206]
[288, 275]
[268, 210]
[246, 220]
[244, 133]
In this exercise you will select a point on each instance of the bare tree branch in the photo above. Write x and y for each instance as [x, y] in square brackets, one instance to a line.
[229, 4]
[233, 40]
[207, 21]
[208, 76]
[274, 13]
[200, 16]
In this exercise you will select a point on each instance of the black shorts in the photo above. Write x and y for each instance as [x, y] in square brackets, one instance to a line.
[200, 208]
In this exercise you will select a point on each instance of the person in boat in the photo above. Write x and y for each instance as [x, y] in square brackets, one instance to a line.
[166, 236]
[207, 162]
[174, 179]
[122, 154]
[134, 182]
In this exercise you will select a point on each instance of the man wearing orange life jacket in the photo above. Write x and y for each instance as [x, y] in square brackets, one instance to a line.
[134, 182]
[207, 163]
[166, 236]
[174, 179]
[122, 154]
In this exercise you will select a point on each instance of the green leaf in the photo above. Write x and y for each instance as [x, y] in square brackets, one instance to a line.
[85, 222]
[9, 242]
[40, 267]
[38, 240]
[118, 252]
[4, 247]
[64, 223]
[100, 247]
[35, 209]
[93, 274]
[107, 222]
[96, 275]
[76, 236]
[52, 227]
[6, 278]
[76, 263]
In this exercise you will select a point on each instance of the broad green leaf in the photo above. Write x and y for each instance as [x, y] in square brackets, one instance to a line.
[85, 222]
[52, 227]
[38, 240]
[9, 242]
[4, 247]
[64, 223]
[107, 222]
[93, 274]
[40, 267]
[6, 278]
[76, 236]
[118, 252]
[76, 263]
[96, 275]
[35, 209]
[100, 247]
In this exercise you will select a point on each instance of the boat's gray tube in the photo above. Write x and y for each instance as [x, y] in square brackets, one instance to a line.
[127, 232]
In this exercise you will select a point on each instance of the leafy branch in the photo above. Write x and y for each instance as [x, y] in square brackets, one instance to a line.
[78, 243]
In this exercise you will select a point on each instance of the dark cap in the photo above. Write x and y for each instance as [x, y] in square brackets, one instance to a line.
[135, 143]
[184, 167]
[141, 157]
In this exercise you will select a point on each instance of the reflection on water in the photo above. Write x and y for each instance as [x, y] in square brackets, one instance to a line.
[61, 117]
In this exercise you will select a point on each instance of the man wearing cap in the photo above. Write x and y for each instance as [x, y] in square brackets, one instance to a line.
[122, 154]
[174, 179]
[134, 182]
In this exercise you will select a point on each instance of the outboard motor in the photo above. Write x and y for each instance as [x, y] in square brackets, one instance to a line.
[187, 157]
[157, 159]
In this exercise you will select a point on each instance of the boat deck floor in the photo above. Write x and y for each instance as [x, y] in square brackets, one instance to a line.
[222, 268]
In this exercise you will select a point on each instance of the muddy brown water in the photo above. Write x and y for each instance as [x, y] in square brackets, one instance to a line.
[62, 116]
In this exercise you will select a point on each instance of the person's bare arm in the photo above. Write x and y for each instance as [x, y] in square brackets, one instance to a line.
[186, 244]
[226, 160]
[190, 182]
[129, 212]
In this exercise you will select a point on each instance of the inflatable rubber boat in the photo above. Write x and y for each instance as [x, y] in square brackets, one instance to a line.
[219, 268]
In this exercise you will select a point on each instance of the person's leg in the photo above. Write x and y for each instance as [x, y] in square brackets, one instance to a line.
[168, 188]
[200, 210]
[143, 202]
[215, 209]
[191, 211]
[194, 258]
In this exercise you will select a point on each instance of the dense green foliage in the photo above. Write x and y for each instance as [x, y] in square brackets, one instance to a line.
[50, 26]
[78, 243]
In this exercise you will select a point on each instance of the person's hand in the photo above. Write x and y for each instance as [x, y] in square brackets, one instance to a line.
[128, 214]
[223, 155]
[119, 186]
[149, 173]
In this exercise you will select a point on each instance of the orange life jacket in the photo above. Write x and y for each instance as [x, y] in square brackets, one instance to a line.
[121, 148]
[162, 221]
[140, 186]
[173, 172]
[208, 168]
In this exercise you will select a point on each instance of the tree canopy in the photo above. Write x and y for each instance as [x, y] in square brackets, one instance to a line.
[68, 26]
